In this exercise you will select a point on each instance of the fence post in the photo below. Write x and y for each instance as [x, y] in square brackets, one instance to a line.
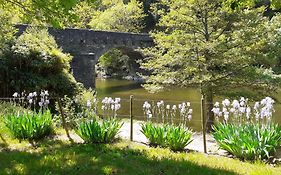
[63, 120]
[131, 118]
[203, 122]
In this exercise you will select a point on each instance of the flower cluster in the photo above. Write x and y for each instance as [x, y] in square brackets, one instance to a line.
[264, 108]
[241, 110]
[185, 110]
[44, 101]
[147, 109]
[167, 112]
[111, 105]
[32, 98]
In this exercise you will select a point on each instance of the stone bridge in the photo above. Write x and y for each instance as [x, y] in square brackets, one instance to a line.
[86, 47]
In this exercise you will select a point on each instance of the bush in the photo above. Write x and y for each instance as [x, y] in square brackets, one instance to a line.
[80, 107]
[95, 132]
[174, 137]
[35, 62]
[248, 141]
[30, 125]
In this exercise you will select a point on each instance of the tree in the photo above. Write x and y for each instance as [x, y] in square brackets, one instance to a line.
[7, 30]
[119, 16]
[54, 12]
[209, 44]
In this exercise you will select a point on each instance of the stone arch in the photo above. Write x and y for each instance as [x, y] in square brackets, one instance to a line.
[133, 53]
[86, 46]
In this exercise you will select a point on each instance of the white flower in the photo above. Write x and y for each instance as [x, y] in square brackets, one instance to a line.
[89, 103]
[158, 104]
[226, 116]
[30, 101]
[149, 115]
[190, 111]
[117, 107]
[102, 107]
[47, 102]
[225, 102]
[235, 104]
[15, 95]
[146, 105]
[256, 106]
[216, 110]
[30, 95]
[117, 100]
[46, 93]
[188, 104]
[189, 117]
[217, 104]
[174, 107]
[110, 100]
[168, 107]
[40, 103]
[232, 110]
[242, 109]
[34, 94]
[179, 106]
[105, 100]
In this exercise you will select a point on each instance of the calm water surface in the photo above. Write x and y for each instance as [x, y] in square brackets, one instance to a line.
[124, 88]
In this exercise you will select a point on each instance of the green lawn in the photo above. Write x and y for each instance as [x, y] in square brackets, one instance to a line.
[123, 157]
[56, 157]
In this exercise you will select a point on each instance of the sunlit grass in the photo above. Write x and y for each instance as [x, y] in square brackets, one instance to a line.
[124, 158]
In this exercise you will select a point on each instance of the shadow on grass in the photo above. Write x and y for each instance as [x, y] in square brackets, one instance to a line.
[57, 157]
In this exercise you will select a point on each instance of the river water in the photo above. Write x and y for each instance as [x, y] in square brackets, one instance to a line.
[176, 95]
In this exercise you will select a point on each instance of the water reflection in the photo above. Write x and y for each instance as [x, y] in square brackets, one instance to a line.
[176, 95]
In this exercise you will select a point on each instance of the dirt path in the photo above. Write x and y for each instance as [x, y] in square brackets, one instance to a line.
[195, 145]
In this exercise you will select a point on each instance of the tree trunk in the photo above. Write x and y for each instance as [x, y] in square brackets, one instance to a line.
[208, 108]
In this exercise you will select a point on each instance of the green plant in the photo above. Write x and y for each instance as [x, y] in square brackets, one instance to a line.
[35, 62]
[80, 107]
[30, 125]
[250, 141]
[155, 134]
[93, 131]
[174, 137]
[178, 137]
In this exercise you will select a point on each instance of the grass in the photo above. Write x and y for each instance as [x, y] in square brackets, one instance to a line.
[124, 158]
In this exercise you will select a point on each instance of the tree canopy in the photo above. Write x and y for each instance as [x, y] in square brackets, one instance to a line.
[119, 16]
[218, 48]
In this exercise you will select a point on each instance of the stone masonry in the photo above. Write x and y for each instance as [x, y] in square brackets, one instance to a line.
[86, 46]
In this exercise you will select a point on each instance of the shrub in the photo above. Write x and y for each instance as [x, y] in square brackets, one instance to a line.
[35, 62]
[80, 107]
[174, 137]
[30, 125]
[93, 131]
[248, 141]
